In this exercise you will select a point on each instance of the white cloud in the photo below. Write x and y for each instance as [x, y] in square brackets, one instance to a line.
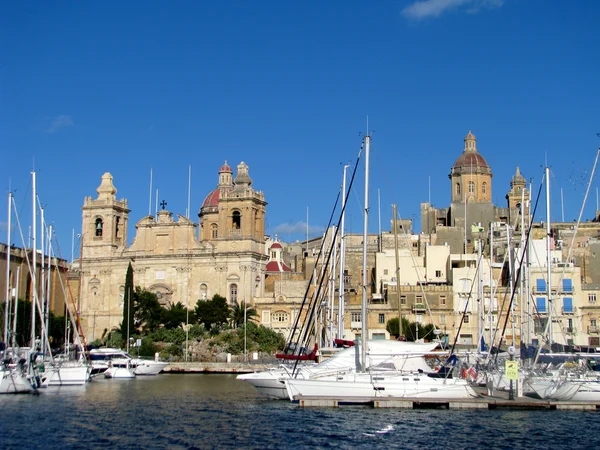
[423, 9]
[59, 122]
[297, 228]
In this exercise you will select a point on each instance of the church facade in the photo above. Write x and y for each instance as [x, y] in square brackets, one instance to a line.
[174, 257]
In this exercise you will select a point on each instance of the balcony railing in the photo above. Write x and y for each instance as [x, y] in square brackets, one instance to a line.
[419, 307]
[592, 329]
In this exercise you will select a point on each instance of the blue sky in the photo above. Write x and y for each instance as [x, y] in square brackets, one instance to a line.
[122, 87]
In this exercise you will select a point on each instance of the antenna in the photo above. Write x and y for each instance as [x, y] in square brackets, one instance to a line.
[562, 205]
[150, 195]
[189, 189]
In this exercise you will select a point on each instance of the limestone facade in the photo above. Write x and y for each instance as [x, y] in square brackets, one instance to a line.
[176, 258]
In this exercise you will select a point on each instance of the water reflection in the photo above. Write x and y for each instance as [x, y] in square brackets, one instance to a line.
[217, 411]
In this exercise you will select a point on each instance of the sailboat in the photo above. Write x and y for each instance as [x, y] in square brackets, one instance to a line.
[571, 380]
[404, 375]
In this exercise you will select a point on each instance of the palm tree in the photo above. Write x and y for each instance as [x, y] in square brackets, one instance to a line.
[237, 314]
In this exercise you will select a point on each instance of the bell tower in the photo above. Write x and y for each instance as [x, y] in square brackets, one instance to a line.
[104, 225]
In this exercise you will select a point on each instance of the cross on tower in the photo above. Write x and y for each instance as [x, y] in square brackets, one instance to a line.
[163, 204]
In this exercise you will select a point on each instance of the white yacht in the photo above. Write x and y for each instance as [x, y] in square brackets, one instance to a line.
[101, 357]
[357, 386]
[120, 370]
[271, 383]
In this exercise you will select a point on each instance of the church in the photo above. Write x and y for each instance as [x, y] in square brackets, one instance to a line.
[175, 258]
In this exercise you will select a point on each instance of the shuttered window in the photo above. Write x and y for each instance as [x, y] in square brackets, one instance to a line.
[540, 285]
[541, 304]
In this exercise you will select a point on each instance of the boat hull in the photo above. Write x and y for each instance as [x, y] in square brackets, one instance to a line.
[148, 367]
[67, 375]
[12, 382]
[360, 386]
[269, 384]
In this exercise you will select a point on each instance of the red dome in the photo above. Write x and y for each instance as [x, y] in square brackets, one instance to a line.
[276, 245]
[470, 159]
[225, 168]
[212, 199]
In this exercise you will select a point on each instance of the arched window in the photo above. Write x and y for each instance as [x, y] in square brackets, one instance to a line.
[98, 227]
[457, 188]
[471, 187]
[484, 187]
[233, 291]
[236, 220]
[203, 291]
[214, 231]
[117, 220]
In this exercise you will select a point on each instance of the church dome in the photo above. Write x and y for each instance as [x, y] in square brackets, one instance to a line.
[470, 160]
[212, 199]
[276, 245]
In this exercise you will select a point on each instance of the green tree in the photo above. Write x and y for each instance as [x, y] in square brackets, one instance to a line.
[425, 331]
[176, 315]
[128, 325]
[392, 326]
[212, 313]
[147, 311]
[237, 314]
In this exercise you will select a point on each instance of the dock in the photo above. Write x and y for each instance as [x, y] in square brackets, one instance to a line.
[498, 401]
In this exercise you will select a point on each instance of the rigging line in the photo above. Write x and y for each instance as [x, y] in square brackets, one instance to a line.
[74, 323]
[420, 275]
[580, 213]
[35, 300]
[465, 308]
[316, 301]
[304, 300]
[523, 254]
[507, 255]
[296, 322]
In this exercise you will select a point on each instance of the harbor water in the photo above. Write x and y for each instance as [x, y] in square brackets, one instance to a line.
[217, 411]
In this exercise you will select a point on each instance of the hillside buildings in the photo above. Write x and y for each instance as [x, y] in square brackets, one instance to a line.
[468, 271]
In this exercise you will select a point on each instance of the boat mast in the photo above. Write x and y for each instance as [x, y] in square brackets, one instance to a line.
[523, 273]
[365, 328]
[34, 263]
[400, 330]
[14, 327]
[332, 272]
[511, 281]
[340, 331]
[42, 275]
[528, 266]
[548, 257]
[480, 299]
[7, 302]
[492, 288]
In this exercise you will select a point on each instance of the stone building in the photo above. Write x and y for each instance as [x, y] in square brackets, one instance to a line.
[174, 257]
[20, 280]
[471, 202]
